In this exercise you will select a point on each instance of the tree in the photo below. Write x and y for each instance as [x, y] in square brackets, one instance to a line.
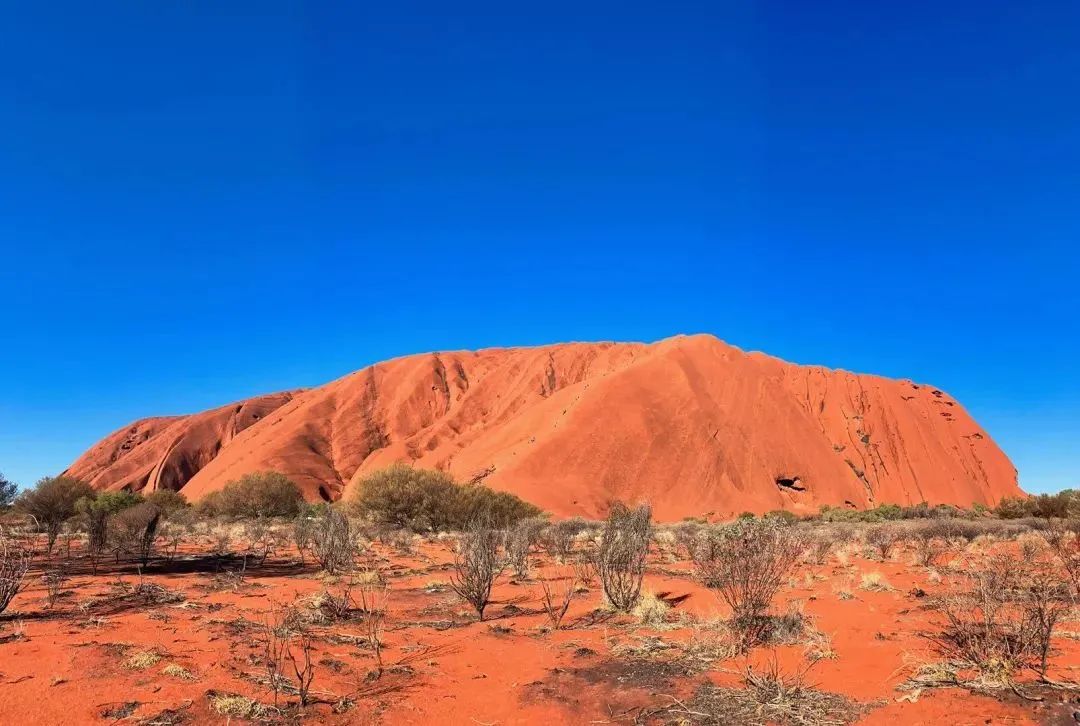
[8, 490]
[52, 502]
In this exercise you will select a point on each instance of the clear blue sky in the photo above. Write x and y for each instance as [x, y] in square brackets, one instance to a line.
[200, 201]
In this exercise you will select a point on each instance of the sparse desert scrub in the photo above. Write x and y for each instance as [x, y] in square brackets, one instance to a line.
[558, 537]
[520, 539]
[1002, 618]
[620, 559]
[14, 562]
[558, 593]
[747, 562]
[767, 696]
[931, 542]
[820, 545]
[477, 564]
[1065, 544]
[333, 540]
[135, 530]
[883, 538]
[287, 652]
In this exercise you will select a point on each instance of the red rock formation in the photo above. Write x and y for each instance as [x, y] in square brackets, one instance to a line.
[165, 452]
[691, 424]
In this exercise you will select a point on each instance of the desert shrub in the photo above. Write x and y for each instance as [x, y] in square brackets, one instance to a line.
[261, 494]
[14, 562]
[97, 530]
[52, 502]
[263, 540]
[425, 500]
[821, 544]
[8, 490]
[520, 539]
[1065, 504]
[1065, 544]
[620, 559]
[1003, 619]
[558, 593]
[747, 562]
[931, 542]
[287, 651]
[111, 502]
[883, 538]
[333, 540]
[169, 502]
[303, 528]
[558, 537]
[136, 529]
[477, 565]
[686, 535]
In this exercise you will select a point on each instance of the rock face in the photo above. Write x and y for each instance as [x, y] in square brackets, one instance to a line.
[690, 424]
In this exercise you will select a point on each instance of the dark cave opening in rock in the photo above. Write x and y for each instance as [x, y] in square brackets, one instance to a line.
[793, 483]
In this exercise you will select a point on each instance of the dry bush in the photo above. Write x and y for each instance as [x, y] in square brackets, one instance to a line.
[303, 528]
[374, 597]
[333, 541]
[263, 540]
[769, 696]
[477, 565]
[931, 542]
[821, 545]
[133, 531]
[14, 562]
[686, 536]
[559, 593]
[520, 540]
[620, 559]
[558, 538]
[1065, 544]
[54, 580]
[747, 562]
[1004, 619]
[283, 638]
[883, 538]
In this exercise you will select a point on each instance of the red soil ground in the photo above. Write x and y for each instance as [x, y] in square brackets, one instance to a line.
[444, 667]
[691, 424]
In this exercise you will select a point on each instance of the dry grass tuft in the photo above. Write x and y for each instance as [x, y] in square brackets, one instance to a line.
[142, 660]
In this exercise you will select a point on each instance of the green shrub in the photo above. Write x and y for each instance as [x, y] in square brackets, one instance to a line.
[110, 502]
[1063, 505]
[261, 494]
[168, 501]
[428, 500]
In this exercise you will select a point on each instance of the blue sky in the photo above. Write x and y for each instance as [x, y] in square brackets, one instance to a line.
[203, 201]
